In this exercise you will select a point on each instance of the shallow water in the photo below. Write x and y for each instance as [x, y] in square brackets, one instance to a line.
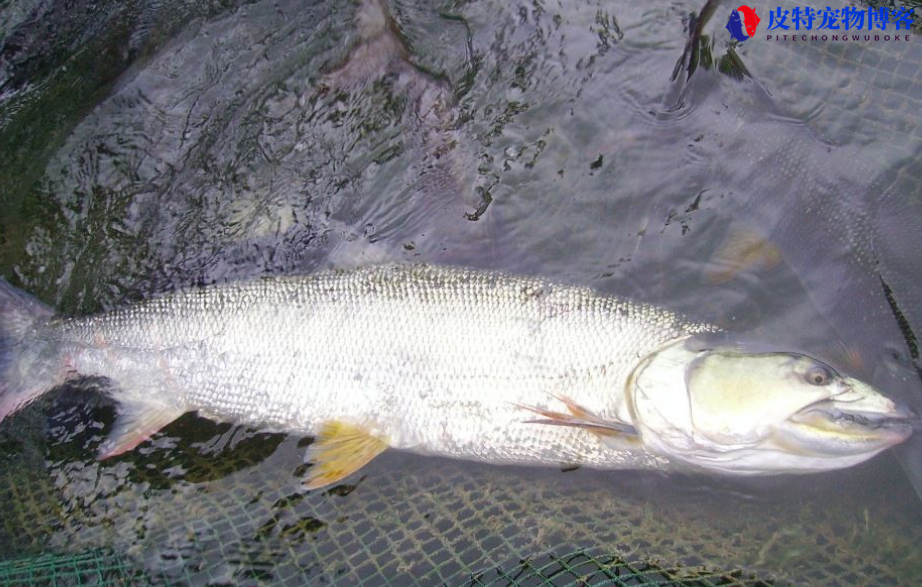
[158, 145]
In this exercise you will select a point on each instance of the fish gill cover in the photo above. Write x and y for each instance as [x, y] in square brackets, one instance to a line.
[743, 22]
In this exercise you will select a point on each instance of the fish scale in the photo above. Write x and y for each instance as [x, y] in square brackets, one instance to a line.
[437, 360]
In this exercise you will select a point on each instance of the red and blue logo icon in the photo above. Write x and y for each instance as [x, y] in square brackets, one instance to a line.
[743, 22]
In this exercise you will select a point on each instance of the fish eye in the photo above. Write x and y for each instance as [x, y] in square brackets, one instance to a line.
[818, 375]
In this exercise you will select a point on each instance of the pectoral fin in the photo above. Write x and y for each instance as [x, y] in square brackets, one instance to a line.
[137, 421]
[338, 451]
[580, 417]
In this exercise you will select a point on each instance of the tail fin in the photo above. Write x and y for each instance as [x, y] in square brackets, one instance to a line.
[25, 369]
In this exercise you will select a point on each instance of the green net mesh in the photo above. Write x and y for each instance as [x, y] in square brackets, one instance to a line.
[581, 569]
[577, 569]
[95, 568]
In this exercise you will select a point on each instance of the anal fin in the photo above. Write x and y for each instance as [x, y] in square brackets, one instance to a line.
[137, 421]
[338, 451]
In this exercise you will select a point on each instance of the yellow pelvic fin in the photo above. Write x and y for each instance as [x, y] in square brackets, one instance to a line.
[741, 250]
[580, 417]
[338, 451]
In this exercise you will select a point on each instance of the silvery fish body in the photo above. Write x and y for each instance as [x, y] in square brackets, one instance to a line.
[453, 362]
[436, 360]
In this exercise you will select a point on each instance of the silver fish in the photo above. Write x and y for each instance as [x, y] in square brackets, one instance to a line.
[454, 362]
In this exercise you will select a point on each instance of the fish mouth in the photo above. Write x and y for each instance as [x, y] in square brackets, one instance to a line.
[876, 422]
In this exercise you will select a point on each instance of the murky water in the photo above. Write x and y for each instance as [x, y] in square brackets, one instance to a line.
[154, 145]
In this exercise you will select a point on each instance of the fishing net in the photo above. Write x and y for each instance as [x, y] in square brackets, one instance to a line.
[577, 569]
[91, 568]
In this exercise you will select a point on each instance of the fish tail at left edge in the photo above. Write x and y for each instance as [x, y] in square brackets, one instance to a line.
[27, 369]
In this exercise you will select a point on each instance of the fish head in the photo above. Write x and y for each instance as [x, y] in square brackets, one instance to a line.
[735, 411]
